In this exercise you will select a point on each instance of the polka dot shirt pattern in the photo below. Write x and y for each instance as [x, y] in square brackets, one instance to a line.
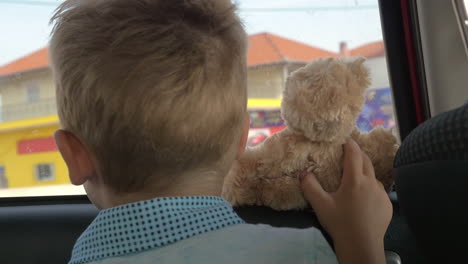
[144, 225]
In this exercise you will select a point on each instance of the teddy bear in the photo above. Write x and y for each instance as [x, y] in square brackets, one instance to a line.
[321, 103]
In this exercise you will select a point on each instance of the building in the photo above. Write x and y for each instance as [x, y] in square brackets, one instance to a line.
[378, 109]
[375, 60]
[29, 156]
[271, 59]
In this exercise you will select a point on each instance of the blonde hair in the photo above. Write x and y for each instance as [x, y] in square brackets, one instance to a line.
[152, 87]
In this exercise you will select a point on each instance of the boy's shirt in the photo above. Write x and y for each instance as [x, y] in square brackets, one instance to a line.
[197, 229]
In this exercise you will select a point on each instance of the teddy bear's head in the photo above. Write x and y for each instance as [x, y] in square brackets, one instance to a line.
[323, 99]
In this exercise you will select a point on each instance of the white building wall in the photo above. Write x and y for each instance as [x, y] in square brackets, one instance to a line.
[378, 72]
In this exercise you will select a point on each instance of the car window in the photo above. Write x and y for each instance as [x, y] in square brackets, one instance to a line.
[283, 36]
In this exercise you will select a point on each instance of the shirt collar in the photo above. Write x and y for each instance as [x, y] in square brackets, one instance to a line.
[144, 225]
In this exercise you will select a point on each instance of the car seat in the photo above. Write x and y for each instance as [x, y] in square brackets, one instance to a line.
[431, 174]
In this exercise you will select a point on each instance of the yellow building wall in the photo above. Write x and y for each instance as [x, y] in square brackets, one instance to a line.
[20, 168]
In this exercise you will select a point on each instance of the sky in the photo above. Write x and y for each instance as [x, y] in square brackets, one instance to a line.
[321, 23]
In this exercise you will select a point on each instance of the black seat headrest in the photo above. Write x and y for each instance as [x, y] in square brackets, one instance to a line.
[443, 137]
[431, 176]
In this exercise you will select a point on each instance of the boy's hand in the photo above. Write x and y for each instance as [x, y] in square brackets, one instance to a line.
[357, 214]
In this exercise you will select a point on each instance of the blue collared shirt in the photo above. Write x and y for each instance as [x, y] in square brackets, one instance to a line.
[147, 231]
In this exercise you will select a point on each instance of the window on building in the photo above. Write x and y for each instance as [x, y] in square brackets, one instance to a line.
[33, 92]
[1, 109]
[45, 172]
[3, 178]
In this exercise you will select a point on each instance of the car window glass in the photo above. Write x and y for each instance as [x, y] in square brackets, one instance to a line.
[283, 36]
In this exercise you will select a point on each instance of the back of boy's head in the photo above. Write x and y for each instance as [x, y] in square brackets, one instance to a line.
[153, 88]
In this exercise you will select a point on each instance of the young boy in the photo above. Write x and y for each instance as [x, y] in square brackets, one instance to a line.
[152, 99]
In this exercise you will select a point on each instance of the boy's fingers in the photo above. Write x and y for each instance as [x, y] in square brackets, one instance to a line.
[368, 168]
[352, 164]
[313, 191]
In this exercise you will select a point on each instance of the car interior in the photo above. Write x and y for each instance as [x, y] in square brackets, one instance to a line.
[428, 71]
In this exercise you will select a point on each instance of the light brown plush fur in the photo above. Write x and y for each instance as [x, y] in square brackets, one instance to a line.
[320, 105]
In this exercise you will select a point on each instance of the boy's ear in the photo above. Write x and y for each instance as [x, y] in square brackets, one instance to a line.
[76, 156]
[244, 137]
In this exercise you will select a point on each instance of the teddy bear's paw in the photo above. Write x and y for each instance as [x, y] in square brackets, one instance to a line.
[387, 143]
[240, 186]
[379, 142]
[238, 197]
[229, 195]
[381, 147]
[384, 135]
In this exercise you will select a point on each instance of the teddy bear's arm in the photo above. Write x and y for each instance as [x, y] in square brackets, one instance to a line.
[381, 146]
[247, 178]
[267, 175]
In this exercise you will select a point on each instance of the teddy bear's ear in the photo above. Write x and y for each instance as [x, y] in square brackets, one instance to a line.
[359, 61]
[329, 59]
[357, 67]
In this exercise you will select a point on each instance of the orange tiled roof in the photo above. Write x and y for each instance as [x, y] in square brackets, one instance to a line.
[266, 48]
[371, 50]
[36, 60]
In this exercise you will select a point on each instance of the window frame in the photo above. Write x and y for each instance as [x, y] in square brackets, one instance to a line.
[461, 12]
[400, 35]
[393, 32]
